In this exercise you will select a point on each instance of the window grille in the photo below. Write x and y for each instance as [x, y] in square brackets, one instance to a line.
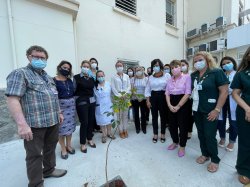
[128, 64]
[127, 5]
[170, 12]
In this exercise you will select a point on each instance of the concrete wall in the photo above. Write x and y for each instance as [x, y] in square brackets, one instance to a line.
[107, 35]
[35, 24]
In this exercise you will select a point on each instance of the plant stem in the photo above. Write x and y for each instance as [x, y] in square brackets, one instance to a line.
[107, 150]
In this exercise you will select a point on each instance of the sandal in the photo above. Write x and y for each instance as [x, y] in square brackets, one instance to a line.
[212, 167]
[202, 159]
[111, 136]
[244, 180]
[104, 139]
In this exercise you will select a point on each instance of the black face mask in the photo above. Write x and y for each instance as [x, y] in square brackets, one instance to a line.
[149, 73]
[64, 72]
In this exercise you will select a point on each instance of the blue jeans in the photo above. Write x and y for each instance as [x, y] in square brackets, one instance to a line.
[221, 126]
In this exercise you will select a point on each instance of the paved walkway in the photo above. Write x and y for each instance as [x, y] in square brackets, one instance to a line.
[136, 159]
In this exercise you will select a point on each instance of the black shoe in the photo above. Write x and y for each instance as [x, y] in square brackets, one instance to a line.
[56, 173]
[137, 131]
[72, 151]
[154, 140]
[163, 140]
[65, 157]
[144, 131]
[84, 150]
[92, 145]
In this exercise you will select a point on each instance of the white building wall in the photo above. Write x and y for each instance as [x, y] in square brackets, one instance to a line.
[108, 35]
[34, 24]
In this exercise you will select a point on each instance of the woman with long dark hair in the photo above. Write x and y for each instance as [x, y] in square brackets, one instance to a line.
[241, 94]
[65, 90]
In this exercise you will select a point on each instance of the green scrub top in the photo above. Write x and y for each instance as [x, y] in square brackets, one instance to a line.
[242, 81]
[210, 82]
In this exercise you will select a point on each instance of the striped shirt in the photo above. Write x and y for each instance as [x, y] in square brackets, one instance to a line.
[139, 84]
[38, 96]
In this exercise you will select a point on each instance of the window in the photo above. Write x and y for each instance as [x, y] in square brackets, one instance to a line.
[128, 64]
[170, 12]
[127, 5]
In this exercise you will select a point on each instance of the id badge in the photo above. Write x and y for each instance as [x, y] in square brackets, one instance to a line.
[199, 87]
[92, 99]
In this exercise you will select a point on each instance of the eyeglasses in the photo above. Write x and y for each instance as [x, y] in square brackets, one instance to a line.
[38, 57]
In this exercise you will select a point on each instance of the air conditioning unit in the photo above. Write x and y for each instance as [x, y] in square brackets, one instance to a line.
[220, 21]
[203, 47]
[190, 52]
[192, 33]
[205, 27]
[217, 45]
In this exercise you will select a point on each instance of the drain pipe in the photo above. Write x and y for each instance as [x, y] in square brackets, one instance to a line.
[77, 69]
[184, 36]
[12, 38]
[221, 32]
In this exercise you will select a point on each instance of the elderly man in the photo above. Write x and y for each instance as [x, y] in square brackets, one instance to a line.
[33, 102]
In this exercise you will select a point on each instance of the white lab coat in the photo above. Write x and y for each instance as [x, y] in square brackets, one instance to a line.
[232, 102]
[104, 104]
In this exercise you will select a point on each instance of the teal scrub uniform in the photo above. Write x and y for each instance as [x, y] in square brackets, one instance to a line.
[242, 81]
[208, 95]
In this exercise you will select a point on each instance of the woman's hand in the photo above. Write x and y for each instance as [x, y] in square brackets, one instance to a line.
[213, 115]
[171, 108]
[176, 108]
[247, 117]
[148, 104]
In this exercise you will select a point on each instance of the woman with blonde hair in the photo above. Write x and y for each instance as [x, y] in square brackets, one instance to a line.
[210, 90]
[241, 94]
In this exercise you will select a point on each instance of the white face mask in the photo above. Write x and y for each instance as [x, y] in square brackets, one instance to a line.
[130, 73]
[119, 69]
[94, 65]
[184, 68]
[139, 73]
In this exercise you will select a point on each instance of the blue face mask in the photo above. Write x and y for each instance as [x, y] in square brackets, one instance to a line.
[167, 70]
[86, 70]
[228, 67]
[101, 79]
[156, 69]
[200, 65]
[38, 63]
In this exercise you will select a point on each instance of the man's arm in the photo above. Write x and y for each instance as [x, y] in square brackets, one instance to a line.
[16, 112]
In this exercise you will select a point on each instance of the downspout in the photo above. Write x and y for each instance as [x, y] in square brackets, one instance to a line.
[12, 38]
[77, 69]
[221, 32]
[184, 36]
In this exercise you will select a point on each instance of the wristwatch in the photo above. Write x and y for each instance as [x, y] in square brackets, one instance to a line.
[217, 109]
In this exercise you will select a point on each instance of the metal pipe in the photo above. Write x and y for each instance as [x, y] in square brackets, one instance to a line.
[12, 37]
[77, 67]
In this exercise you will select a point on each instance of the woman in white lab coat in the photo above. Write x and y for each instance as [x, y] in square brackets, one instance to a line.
[104, 106]
[229, 66]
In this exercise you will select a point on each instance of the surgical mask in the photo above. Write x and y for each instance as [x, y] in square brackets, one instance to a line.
[94, 65]
[200, 65]
[101, 79]
[167, 70]
[38, 64]
[85, 70]
[139, 73]
[130, 73]
[184, 68]
[119, 69]
[156, 69]
[64, 72]
[228, 67]
[176, 71]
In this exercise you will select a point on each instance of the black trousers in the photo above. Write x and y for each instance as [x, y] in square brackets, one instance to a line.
[86, 115]
[40, 154]
[178, 121]
[190, 115]
[159, 104]
[142, 106]
[147, 113]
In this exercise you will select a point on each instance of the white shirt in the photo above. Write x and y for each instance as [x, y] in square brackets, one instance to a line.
[120, 84]
[156, 84]
[139, 84]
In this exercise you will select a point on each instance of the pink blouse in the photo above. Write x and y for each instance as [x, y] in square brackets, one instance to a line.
[181, 85]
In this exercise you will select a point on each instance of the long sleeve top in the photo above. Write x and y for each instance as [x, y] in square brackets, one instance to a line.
[120, 84]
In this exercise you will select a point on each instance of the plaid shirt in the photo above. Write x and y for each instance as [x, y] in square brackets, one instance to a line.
[38, 96]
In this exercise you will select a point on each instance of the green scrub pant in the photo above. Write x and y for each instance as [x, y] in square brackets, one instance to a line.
[243, 158]
[207, 136]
